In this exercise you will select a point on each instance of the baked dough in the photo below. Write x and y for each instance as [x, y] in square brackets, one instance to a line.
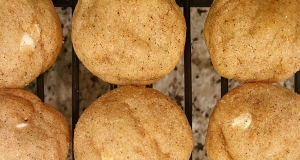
[30, 40]
[255, 121]
[133, 123]
[30, 129]
[254, 41]
[129, 42]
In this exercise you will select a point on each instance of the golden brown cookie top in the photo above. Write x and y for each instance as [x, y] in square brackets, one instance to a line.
[255, 121]
[133, 123]
[30, 40]
[255, 40]
[129, 42]
[30, 129]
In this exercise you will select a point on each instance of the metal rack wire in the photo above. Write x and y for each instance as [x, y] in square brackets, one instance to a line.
[186, 4]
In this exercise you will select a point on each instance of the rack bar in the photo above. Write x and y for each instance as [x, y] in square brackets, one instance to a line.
[195, 3]
[188, 64]
[224, 86]
[75, 87]
[62, 3]
[40, 87]
[188, 104]
[297, 82]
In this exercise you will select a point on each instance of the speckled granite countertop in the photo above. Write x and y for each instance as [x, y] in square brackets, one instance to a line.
[205, 80]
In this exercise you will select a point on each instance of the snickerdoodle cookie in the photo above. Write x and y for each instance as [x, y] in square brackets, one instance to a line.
[30, 40]
[31, 129]
[133, 123]
[255, 121]
[129, 42]
[254, 41]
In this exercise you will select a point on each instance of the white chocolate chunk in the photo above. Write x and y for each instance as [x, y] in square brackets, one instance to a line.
[21, 125]
[26, 40]
[243, 121]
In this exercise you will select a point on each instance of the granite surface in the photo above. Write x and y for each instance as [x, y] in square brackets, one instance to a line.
[205, 81]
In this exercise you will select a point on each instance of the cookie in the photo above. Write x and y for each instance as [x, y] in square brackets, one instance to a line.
[255, 121]
[30, 40]
[254, 41]
[31, 129]
[129, 42]
[133, 123]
